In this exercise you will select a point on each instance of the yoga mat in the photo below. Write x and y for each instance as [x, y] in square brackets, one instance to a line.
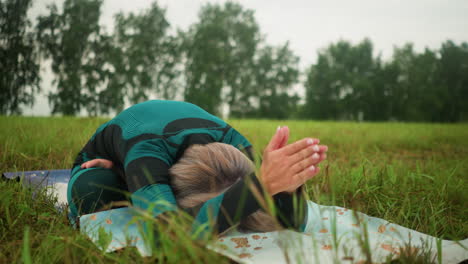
[56, 182]
[40, 177]
[333, 234]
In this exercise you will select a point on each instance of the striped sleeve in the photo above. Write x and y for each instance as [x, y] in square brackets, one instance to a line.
[244, 198]
[227, 209]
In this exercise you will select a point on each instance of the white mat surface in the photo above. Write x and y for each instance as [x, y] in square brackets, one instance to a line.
[332, 235]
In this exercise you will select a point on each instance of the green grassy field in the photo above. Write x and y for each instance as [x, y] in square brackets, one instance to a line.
[414, 175]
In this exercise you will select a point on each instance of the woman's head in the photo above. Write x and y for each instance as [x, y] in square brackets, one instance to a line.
[205, 171]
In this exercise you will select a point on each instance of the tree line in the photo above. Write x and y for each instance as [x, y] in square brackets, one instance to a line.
[222, 60]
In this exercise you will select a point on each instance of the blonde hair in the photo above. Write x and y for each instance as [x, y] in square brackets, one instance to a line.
[205, 171]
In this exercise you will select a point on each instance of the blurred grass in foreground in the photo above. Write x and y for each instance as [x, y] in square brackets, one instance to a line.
[414, 175]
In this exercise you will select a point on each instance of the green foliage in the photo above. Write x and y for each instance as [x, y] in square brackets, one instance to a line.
[220, 49]
[342, 83]
[104, 238]
[275, 72]
[349, 83]
[19, 65]
[414, 95]
[222, 63]
[26, 248]
[72, 39]
[147, 58]
[452, 81]
[228, 63]
[97, 71]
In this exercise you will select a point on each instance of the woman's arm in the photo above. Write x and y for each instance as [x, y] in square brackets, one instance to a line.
[144, 197]
[227, 209]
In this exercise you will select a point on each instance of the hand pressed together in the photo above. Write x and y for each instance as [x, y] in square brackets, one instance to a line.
[287, 167]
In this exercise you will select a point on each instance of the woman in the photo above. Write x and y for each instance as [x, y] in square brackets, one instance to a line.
[134, 152]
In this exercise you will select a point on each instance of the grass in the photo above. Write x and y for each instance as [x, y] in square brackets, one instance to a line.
[414, 175]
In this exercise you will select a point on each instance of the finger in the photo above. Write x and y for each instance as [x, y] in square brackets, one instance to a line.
[103, 163]
[305, 163]
[275, 141]
[299, 145]
[323, 157]
[107, 164]
[304, 154]
[323, 148]
[284, 136]
[306, 174]
[89, 164]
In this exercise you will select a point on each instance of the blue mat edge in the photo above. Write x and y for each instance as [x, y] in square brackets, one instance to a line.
[43, 173]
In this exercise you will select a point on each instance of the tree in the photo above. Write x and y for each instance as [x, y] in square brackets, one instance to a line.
[369, 97]
[19, 65]
[452, 82]
[72, 40]
[415, 95]
[387, 81]
[341, 84]
[219, 53]
[321, 95]
[147, 59]
[276, 71]
[109, 93]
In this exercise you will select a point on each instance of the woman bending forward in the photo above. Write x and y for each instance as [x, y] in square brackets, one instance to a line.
[169, 153]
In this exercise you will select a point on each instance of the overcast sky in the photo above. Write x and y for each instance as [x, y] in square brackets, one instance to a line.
[310, 25]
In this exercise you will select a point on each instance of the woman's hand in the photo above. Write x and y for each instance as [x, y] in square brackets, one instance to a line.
[286, 167]
[102, 163]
